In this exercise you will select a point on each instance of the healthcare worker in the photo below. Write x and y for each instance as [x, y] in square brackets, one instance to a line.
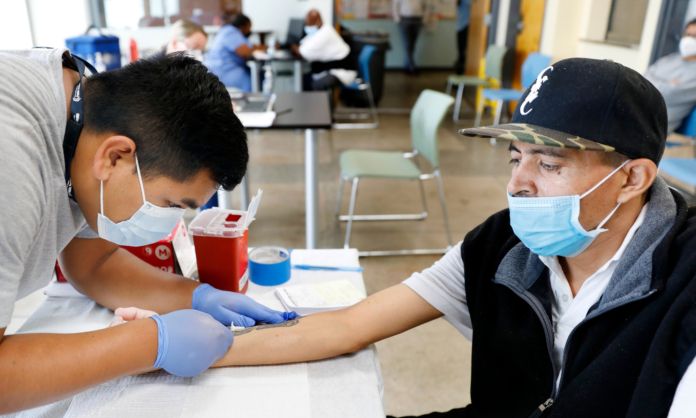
[91, 163]
[230, 51]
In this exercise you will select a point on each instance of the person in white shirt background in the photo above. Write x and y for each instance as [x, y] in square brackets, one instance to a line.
[674, 75]
[331, 61]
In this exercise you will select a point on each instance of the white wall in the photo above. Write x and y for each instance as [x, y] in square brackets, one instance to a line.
[15, 32]
[53, 21]
[275, 14]
[568, 24]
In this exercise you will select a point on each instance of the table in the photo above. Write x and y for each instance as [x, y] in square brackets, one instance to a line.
[347, 386]
[308, 111]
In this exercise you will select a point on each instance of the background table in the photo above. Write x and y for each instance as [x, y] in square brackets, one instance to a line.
[348, 386]
[308, 111]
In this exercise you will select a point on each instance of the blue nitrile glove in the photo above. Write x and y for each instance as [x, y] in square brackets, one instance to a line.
[189, 341]
[235, 309]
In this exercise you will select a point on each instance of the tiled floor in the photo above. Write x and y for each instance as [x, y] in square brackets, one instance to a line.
[427, 368]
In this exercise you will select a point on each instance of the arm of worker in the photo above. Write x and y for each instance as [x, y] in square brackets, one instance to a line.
[73, 362]
[114, 277]
[246, 51]
[184, 343]
[437, 291]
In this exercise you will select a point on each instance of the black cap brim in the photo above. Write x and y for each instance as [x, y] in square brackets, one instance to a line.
[538, 135]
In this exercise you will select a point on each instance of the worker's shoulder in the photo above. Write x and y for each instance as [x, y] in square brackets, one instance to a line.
[32, 70]
[31, 83]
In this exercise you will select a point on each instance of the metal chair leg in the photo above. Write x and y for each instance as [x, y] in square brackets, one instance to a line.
[479, 113]
[361, 114]
[458, 102]
[498, 111]
[443, 203]
[423, 200]
[373, 105]
[339, 197]
[351, 211]
[448, 90]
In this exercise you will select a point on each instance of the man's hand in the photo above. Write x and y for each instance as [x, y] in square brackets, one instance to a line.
[189, 341]
[235, 309]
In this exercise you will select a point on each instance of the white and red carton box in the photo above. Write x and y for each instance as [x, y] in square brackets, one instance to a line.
[163, 254]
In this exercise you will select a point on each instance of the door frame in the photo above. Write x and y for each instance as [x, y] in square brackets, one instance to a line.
[669, 28]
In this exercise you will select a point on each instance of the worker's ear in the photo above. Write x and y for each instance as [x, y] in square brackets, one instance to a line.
[116, 152]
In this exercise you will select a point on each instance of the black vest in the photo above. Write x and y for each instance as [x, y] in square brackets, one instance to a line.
[624, 362]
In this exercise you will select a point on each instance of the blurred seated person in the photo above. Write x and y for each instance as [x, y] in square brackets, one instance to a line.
[332, 63]
[228, 55]
[674, 75]
[187, 36]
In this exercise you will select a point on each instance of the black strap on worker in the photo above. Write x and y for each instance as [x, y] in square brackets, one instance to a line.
[76, 120]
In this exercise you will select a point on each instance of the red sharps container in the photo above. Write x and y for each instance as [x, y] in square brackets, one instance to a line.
[221, 243]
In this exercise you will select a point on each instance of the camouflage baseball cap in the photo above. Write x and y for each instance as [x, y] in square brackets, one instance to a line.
[587, 104]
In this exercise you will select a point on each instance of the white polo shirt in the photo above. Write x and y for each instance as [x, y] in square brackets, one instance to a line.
[568, 311]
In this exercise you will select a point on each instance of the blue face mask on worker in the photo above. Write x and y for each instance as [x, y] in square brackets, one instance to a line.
[311, 30]
[148, 224]
[550, 226]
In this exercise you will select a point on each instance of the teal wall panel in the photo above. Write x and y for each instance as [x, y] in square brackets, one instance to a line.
[436, 48]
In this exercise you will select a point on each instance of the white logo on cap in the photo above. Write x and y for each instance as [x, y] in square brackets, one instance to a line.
[534, 91]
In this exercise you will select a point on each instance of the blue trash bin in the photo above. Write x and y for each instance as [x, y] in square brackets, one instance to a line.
[99, 49]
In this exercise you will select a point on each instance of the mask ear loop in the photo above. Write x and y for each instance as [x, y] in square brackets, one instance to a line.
[140, 179]
[605, 220]
[613, 211]
[604, 179]
[101, 197]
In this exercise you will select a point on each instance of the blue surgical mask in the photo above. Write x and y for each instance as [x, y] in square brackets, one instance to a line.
[148, 225]
[310, 30]
[550, 226]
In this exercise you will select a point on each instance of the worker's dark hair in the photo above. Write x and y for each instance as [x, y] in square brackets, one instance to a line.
[689, 23]
[178, 114]
[240, 20]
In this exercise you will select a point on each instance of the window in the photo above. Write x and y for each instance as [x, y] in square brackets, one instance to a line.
[121, 14]
[626, 21]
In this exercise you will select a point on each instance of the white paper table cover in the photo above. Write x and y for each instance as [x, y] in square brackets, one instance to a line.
[347, 386]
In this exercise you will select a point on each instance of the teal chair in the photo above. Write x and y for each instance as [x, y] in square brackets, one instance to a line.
[680, 168]
[493, 76]
[426, 117]
[532, 66]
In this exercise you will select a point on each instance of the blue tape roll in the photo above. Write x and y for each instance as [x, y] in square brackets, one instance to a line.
[269, 266]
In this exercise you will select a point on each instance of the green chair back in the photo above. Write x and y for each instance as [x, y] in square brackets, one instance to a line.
[494, 61]
[426, 116]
